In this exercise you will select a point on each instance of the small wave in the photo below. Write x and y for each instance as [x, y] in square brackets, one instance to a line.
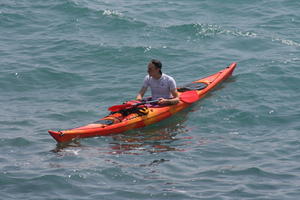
[287, 42]
[18, 141]
[16, 20]
[69, 7]
[41, 77]
[23, 123]
[91, 12]
[118, 20]
[250, 171]
[112, 13]
[210, 30]
[96, 14]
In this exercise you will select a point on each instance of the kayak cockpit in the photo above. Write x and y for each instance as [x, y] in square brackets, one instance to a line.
[192, 86]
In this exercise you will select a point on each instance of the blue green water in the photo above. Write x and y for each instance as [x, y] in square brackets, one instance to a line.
[64, 62]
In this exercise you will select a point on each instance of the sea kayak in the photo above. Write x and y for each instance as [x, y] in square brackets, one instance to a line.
[136, 114]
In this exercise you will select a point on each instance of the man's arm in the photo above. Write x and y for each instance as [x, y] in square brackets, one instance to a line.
[141, 93]
[172, 101]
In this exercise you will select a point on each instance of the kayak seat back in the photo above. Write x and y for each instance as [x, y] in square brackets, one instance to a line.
[140, 110]
[192, 86]
[110, 119]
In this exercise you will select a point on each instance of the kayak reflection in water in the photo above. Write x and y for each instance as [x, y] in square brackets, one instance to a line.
[168, 136]
[163, 87]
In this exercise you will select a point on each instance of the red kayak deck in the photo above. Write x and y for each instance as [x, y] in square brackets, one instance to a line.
[118, 122]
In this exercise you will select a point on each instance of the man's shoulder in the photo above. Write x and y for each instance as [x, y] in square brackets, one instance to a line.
[147, 77]
[167, 77]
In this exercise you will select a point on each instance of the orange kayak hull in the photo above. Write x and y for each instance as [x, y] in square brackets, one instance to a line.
[133, 121]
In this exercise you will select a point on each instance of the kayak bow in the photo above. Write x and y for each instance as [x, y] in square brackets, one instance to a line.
[145, 114]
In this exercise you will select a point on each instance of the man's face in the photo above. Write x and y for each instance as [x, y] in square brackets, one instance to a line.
[152, 69]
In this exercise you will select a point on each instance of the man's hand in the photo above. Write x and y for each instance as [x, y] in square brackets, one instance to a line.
[138, 98]
[162, 101]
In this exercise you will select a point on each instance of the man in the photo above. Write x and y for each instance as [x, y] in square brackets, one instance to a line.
[163, 87]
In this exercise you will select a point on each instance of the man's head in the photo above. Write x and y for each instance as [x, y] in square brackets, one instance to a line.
[154, 67]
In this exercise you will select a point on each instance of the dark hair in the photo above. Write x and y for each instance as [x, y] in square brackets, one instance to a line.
[157, 64]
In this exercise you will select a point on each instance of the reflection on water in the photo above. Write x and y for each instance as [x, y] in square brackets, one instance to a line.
[63, 146]
[152, 140]
[157, 138]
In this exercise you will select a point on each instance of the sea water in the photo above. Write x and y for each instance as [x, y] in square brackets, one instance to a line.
[64, 62]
